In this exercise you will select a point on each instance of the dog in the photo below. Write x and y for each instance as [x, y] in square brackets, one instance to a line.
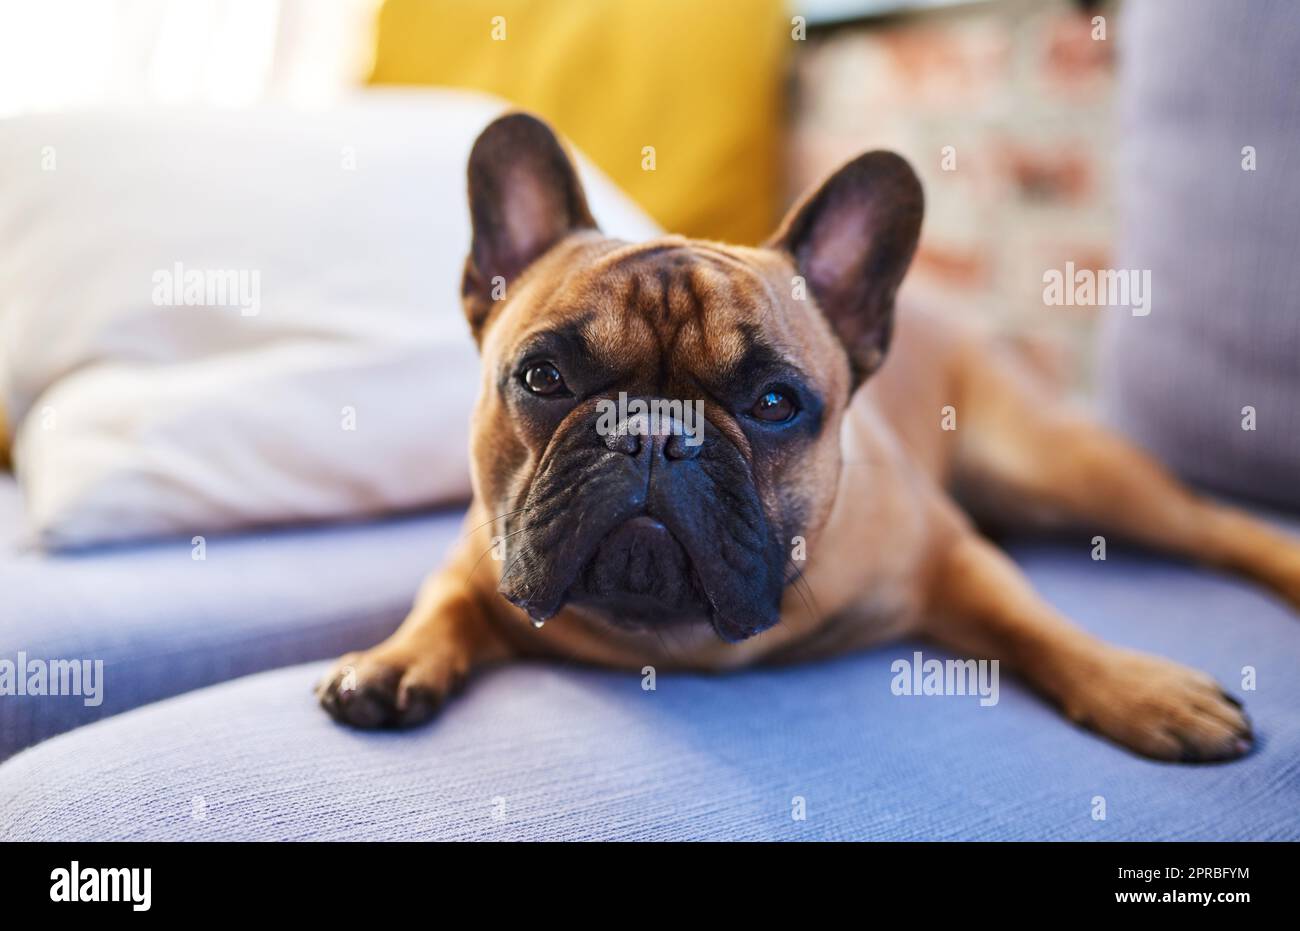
[818, 506]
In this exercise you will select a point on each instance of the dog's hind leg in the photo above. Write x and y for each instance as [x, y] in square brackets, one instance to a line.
[1025, 454]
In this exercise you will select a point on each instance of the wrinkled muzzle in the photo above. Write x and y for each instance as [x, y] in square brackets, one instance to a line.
[649, 523]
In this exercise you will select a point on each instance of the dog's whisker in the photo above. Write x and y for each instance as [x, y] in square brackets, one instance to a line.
[813, 609]
[473, 530]
[495, 544]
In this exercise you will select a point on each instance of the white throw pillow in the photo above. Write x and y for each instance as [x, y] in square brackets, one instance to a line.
[329, 375]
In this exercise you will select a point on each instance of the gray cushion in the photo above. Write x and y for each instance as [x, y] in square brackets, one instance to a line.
[163, 623]
[542, 751]
[1200, 80]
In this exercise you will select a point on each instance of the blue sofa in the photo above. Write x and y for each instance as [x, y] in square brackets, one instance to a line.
[210, 730]
[163, 623]
[550, 752]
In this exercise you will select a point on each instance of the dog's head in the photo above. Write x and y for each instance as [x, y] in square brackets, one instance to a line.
[658, 429]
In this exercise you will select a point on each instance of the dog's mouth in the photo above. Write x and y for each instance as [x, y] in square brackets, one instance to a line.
[641, 548]
[641, 576]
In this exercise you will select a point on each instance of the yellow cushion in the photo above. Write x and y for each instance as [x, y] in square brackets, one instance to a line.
[700, 81]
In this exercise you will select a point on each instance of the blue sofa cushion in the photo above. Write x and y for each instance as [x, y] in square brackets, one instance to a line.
[163, 623]
[544, 751]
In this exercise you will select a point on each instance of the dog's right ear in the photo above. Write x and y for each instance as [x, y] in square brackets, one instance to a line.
[524, 197]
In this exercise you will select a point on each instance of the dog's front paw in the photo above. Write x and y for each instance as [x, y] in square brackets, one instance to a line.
[389, 688]
[1160, 709]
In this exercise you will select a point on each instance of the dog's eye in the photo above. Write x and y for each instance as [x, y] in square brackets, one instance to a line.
[774, 407]
[544, 379]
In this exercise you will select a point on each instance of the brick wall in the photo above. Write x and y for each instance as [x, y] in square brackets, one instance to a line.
[1004, 108]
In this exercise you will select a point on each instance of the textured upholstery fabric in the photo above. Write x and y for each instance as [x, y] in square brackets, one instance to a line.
[1201, 81]
[164, 623]
[547, 752]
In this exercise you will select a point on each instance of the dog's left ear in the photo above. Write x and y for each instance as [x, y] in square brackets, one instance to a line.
[524, 197]
[852, 240]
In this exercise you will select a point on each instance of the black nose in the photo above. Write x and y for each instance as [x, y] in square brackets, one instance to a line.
[663, 436]
[621, 442]
[678, 446]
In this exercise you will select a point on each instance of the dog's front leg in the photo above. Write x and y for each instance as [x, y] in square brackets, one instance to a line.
[984, 606]
[405, 679]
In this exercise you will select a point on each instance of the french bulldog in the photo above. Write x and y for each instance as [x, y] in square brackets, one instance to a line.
[816, 506]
